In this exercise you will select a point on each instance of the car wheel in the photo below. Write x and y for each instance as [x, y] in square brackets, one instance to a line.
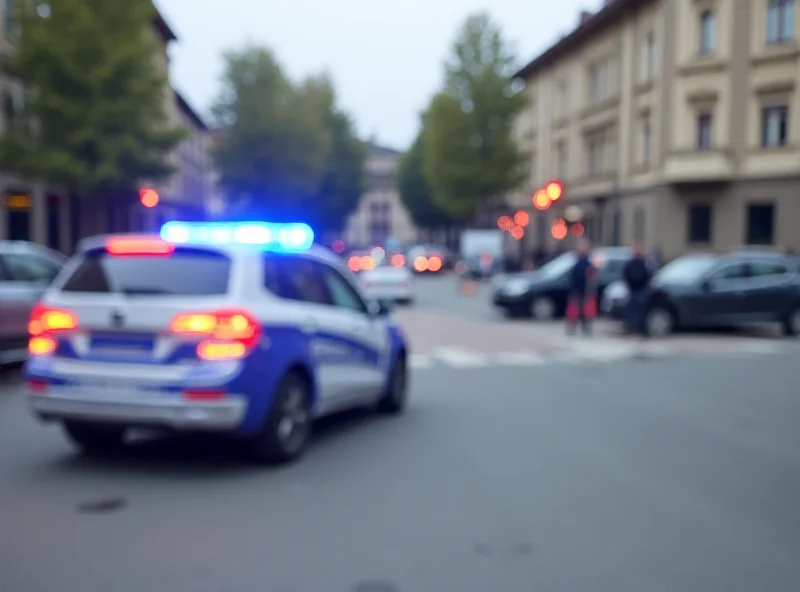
[543, 308]
[288, 428]
[394, 399]
[792, 324]
[95, 439]
[660, 322]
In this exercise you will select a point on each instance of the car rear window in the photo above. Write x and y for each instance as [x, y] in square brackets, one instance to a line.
[187, 272]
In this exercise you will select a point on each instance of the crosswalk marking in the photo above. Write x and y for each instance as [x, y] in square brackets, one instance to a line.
[520, 359]
[461, 358]
[599, 352]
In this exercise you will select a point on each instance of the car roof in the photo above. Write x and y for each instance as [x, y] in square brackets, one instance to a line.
[315, 251]
[28, 247]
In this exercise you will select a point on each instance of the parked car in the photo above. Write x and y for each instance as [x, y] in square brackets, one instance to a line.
[729, 290]
[543, 294]
[26, 270]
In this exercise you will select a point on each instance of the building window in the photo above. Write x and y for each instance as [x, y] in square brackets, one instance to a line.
[774, 126]
[562, 107]
[649, 62]
[593, 156]
[561, 160]
[54, 222]
[18, 214]
[699, 224]
[705, 130]
[647, 142]
[707, 32]
[616, 228]
[780, 21]
[760, 224]
[639, 221]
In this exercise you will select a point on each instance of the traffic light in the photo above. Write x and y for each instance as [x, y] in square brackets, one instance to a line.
[148, 197]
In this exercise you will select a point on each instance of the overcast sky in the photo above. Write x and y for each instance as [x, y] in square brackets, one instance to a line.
[385, 57]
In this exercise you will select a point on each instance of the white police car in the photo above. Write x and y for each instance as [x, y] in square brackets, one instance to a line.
[241, 328]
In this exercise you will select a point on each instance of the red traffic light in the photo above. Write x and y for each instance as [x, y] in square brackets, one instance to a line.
[148, 197]
[554, 190]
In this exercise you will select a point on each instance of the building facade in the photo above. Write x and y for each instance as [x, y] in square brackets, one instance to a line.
[670, 122]
[36, 211]
[380, 214]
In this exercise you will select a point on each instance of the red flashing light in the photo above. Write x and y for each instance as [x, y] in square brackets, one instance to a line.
[143, 246]
[559, 229]
[149, 197]
[504, 223]
[517, 232]
[522, 218]
[541, 200]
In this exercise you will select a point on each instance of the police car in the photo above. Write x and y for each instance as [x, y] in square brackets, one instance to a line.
[243, 328]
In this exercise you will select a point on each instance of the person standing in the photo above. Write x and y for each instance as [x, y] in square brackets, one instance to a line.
[581, 289]
[637, 274]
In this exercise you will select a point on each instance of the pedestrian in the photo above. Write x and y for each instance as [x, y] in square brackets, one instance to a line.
[581, 292]
[637, 274]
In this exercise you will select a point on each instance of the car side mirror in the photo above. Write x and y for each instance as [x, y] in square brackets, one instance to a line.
[380, 308]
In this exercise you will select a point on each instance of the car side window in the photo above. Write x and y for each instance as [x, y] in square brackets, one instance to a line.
[295, 278]
[735, 271]
[29, 268]
[341, 292]
[768, 269]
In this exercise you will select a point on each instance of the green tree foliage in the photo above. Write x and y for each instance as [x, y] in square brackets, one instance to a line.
[94, 120]
[287, 151]
[470, 152]
[416, 192]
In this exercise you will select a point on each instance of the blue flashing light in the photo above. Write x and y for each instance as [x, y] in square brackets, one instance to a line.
[264, 235]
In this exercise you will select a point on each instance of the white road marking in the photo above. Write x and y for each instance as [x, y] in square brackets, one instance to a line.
[603, 351]
[420, 362]
[520, 359]
[461, 358]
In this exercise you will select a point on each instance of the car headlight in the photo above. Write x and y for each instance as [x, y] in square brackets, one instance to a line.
[515, 287]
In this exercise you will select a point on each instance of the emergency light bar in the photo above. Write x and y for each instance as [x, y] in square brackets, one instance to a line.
[265, 235]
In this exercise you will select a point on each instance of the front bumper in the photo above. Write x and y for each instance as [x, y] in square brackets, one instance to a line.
[168, 411]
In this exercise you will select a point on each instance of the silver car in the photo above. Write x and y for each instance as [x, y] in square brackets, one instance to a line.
[26, 269]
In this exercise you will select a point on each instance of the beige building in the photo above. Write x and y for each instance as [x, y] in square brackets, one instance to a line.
[671, 122]
[380, 213]
[34, 211]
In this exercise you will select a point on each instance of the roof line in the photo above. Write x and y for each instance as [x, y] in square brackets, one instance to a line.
[184, 106]
[163, 27]
[606, 16]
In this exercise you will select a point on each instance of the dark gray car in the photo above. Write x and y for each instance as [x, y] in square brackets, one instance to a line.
[26, 269]
[731, 290]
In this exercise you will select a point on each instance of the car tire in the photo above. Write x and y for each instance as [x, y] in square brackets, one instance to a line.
[791, 326]
[287, 430]
[95, 439]
[660, 322]
[543, 308]
[394, 399]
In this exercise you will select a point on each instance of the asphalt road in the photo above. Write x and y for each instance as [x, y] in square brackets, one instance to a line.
[640, 476]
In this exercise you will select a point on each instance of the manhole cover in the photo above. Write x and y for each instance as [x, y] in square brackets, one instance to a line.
[102, 506]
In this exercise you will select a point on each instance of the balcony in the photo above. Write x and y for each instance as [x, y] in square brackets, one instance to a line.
[698, 166]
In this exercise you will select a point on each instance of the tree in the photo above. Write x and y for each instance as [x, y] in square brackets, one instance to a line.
[288, 152]
[470, 152]
[94, 121]
[416, 192]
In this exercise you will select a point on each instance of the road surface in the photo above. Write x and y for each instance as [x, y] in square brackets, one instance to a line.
[623, 473]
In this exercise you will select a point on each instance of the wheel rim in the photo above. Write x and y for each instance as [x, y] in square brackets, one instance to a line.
[543, 309]
[659, 323]
[294, 420]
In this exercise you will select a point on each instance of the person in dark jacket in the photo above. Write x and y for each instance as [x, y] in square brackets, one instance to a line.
[581, 287]
[637, 274]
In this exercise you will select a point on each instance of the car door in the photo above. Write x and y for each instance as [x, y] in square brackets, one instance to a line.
[770, 292]
[23, 279]
[364, 335]
[720, 299]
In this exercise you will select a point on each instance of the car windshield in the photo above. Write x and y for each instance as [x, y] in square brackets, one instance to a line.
[686, 270]
[558, 266]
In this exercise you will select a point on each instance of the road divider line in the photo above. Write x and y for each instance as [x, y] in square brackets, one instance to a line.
[520, 359]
